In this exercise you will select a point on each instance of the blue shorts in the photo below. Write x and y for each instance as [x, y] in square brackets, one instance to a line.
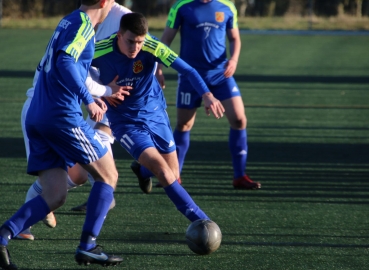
[222, 88]
[137, 136]
[56, 147]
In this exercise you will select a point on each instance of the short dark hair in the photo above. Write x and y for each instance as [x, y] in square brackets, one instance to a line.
[88, 2]
[134, 22]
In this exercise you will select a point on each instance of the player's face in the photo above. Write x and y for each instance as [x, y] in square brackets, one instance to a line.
[130, 44]
[106, 9]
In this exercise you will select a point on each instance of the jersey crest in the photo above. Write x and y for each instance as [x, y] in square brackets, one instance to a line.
[219, 16]
[138, 66]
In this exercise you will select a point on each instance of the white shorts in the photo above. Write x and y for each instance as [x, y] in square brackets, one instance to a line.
[23, 121]
[92, 123]
[26, 104]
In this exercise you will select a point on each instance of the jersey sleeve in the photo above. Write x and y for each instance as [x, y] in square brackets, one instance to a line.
[174, 17]
[159, 50]
[233, 16]
[77, 40]
[94, 85]
[102, 48]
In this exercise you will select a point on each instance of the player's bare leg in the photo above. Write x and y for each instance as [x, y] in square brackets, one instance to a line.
[166, 170]
[156, 163]
[185, 121]
[76, 176]
[107, 139]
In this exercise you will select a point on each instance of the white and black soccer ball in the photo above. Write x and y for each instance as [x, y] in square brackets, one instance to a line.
[203, 236]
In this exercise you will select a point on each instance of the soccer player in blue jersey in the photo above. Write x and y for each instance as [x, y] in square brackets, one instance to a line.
[59, 136]
[207, 23]
[77, 175]
[140, 123]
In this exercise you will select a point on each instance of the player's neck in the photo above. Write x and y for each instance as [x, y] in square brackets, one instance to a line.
[93, 14]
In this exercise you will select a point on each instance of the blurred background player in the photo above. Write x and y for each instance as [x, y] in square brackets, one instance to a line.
[59, 137]
[141, 123]
[77, 175]
[206, 23]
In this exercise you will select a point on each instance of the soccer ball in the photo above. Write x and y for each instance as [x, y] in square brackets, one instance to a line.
[203, 236]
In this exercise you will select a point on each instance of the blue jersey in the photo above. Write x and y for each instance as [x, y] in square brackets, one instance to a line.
[146, 98]
[57, 101]
[203, 31]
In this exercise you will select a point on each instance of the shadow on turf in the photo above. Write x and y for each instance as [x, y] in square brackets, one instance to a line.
[270, 153]
[309, 172]
[242, 78]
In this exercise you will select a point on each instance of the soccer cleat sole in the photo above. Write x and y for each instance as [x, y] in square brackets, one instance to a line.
[87, 263]
[23, 236]
[86, 260]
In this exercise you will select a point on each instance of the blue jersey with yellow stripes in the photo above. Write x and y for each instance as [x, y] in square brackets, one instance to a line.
[203, 31]
[146, 98]
[54, 101]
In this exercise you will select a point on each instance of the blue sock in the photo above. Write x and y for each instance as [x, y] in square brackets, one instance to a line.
[182, 140]
[238, 147]
[145, 173]
[184, 203]
[5, 235]
[98, 203]
[30, 213]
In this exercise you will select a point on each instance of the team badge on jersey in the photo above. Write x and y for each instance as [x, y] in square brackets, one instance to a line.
[137, 66]
[219, 16]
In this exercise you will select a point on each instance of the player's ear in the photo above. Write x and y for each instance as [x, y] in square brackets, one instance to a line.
[103, 3]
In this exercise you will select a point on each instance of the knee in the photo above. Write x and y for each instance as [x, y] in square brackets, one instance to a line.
[80, 179]
[165, 174]
[112, 179]
[54, 201]
[239, 123]
[78, 175]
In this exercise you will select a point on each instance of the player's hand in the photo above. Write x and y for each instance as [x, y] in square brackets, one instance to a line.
[118, 91]
[101, 104]
[112, 101]
[95, 112]
[230, 68]
[160, 76]
[212, 104]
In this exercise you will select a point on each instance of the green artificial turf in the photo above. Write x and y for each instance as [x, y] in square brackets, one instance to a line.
[307, 104]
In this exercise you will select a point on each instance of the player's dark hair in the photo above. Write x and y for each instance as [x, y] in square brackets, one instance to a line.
[88, 2]
[134, 22]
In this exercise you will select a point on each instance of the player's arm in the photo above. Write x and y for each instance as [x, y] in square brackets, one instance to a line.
[167, 38]
[166, 56]
[210, 102]
[233, 35]
[96, 88]
[66, 65]
[234, 39]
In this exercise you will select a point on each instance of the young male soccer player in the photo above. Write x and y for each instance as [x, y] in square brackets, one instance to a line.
[76, 174]
[141, 123]
[59, 137]
[206, 23]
